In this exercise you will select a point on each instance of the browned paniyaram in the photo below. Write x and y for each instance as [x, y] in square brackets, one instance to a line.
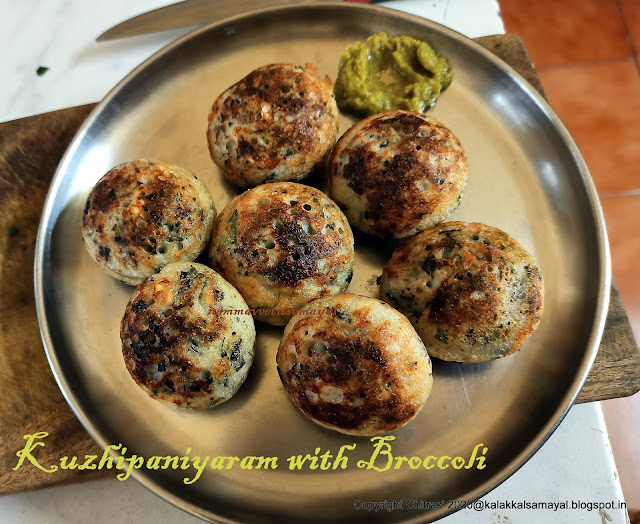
[472, 292]
[282, 245]
[356, 365]
[143, 215]
[178, 341]
[276, 124]
[397, 173]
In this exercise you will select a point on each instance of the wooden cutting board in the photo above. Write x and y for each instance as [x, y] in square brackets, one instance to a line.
[30, 150]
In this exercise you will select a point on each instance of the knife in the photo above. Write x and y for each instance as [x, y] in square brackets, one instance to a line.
[191, 13]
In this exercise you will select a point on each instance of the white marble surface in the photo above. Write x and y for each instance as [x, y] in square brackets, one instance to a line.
[575, 464]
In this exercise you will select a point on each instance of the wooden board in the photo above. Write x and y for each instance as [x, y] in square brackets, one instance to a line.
[30, 150]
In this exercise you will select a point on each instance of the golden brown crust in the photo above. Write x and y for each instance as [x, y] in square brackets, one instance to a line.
[470, 290]
[283, 245]
[397, 173]
[356, 366]
[275, 124]
[177, 343]
[142, 215]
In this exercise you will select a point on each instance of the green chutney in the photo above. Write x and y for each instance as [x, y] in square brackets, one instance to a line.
[386, 73]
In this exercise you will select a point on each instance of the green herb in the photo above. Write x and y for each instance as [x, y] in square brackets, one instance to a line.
[41, 70]
[233, 226]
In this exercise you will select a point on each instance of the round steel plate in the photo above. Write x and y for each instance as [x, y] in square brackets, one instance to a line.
[526, 177]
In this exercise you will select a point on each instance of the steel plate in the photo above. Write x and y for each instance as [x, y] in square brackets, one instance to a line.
[526, 177]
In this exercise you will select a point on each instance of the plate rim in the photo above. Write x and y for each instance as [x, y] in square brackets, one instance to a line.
[45, 229]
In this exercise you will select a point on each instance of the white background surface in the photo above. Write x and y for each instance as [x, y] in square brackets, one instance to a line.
[575, 464]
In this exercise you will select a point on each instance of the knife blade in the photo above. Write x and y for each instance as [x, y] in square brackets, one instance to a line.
[190, 13]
